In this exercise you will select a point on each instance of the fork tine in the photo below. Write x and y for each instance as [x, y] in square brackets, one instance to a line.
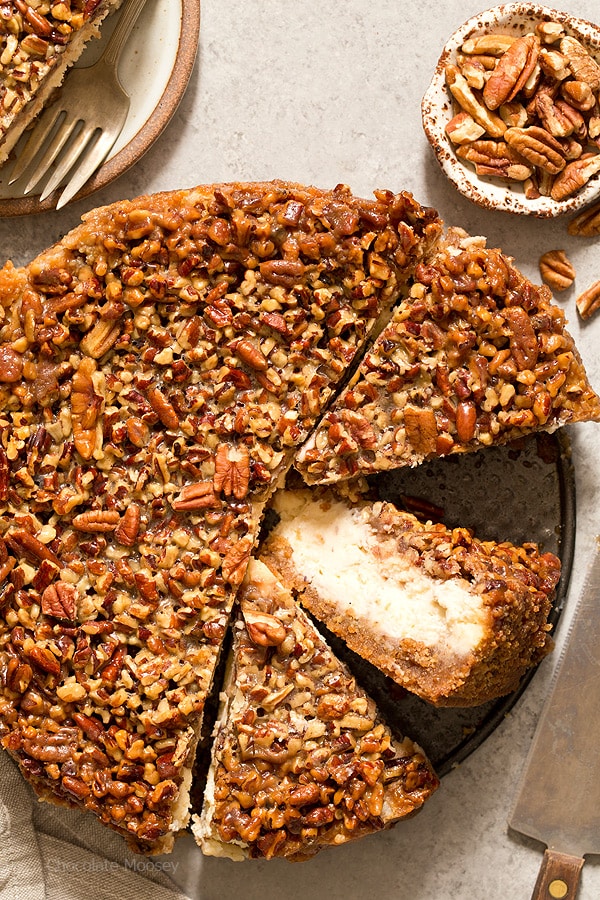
[72, 153]
[35, 142]
[93, 158]
[57, 143]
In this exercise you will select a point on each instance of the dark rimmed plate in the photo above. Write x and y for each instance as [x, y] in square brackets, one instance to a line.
[155, 71]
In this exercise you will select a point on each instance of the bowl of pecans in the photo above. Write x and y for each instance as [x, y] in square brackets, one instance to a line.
[513, 110]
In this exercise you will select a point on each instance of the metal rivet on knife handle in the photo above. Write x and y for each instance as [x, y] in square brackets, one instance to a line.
[558, 877]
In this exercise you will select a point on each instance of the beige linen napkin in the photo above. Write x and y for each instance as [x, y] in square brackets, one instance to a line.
[50, 853]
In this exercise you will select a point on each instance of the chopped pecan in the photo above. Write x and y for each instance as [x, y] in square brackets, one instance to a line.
[11, 365]
[463, 129]
[466, 99]
[523, 339]
[492, 44]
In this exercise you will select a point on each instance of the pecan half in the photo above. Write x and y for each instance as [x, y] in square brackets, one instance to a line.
[236, 561]
[557, 270]
[101, 338]
[587, 223]
[512, 72]
[196, 496]
[583, 66]
[575, 175]
[265, 630]
[128, 528]
[538, 146]
[85, 408]
[97, 521]
[59, 600]
[589, 301]
[232, 471]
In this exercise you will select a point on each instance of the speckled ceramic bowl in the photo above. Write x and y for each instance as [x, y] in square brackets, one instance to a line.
[437, 110]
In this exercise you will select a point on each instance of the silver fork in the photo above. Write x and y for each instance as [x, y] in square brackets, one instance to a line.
[91, 98]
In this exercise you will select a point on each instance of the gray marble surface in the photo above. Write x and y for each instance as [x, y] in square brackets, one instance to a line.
[325, 93]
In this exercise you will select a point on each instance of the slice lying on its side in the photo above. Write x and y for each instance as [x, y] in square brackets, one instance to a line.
[38, 43]
[158, 368]
[301, 760]
[475, 355]
[455, 620]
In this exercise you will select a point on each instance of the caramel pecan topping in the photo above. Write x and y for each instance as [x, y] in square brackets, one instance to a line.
[158, 369]
[299, 728]
[474, 356]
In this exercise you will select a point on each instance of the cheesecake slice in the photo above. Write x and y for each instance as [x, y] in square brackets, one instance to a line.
[475, 355]
[455, 620]
[38, 43]
[158, 368]
[301, 760]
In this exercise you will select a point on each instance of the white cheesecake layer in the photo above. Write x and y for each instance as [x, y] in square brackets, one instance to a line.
[348, 564]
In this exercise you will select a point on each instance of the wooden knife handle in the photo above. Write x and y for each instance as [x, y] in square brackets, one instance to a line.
[558, 877]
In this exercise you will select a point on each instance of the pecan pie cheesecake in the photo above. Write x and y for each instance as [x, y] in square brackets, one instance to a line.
[301, 759]
[453, 619]
[39, 41]
[158, 368]
[475, 355]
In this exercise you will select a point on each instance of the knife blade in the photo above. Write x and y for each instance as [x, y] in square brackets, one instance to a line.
[558, 799]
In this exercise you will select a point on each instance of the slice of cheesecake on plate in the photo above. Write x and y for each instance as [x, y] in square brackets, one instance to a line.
[453, 619]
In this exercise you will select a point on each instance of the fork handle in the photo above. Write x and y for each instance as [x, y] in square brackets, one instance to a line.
[123, 28]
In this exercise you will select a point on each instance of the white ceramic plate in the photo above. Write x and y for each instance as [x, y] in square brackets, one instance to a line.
[154, 70]
[437, 110]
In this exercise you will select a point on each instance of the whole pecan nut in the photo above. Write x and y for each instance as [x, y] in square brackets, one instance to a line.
[557, 270]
